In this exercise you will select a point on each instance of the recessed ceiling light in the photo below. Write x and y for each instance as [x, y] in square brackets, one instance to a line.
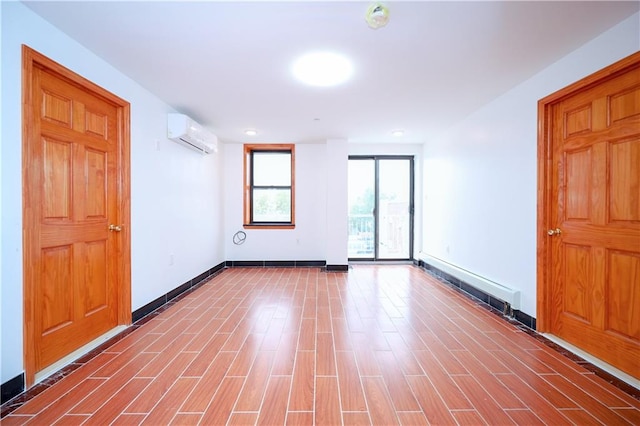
[397, 133]
[322, 69]
[250, 132]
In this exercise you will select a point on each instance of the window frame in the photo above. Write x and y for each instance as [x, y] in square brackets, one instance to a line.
[249, 150]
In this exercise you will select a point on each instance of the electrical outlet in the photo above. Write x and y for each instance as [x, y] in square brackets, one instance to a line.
[171, 259]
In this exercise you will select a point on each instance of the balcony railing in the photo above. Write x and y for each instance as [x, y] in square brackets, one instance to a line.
[361, 235]
[394, 236]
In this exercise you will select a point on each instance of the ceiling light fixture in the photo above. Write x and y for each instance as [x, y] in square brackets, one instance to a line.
[250, 132]
[322, 69]
[397, 133]
[377, 16]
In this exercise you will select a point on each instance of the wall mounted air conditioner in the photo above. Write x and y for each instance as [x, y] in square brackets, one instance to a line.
[185, 131]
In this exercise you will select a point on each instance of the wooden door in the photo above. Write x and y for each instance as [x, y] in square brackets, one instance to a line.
[74, 156]
[589, 269]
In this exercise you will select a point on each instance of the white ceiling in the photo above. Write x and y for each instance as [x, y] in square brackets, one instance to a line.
[228, 64]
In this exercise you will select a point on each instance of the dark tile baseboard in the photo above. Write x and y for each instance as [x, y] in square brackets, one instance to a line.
[11, 388]
[165, 298]
[275, 263]
[337, 268]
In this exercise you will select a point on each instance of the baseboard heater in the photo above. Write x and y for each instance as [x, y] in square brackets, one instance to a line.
[506, 294]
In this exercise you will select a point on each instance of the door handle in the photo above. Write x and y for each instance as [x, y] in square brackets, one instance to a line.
[553, 232]
[115, 228]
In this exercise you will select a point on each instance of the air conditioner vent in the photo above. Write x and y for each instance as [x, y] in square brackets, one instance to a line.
[183, 130]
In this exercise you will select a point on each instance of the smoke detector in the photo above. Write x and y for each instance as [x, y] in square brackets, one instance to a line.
[377, 16]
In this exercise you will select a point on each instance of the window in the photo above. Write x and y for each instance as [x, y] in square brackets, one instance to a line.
[269, 191]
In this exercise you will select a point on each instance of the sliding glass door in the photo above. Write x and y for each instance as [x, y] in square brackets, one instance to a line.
[380, 208]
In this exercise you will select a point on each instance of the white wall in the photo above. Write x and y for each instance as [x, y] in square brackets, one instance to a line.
[337, 218]
[175, 193]
[308, 241]
[2, 318]
[480, 177]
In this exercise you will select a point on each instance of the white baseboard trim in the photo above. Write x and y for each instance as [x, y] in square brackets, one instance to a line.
[506, 294]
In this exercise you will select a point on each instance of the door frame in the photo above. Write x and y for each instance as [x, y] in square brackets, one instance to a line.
[30, 60]
[375, 158]
[546, 195]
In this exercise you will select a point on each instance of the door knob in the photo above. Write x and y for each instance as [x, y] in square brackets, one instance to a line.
[556, 231]
[115, 228]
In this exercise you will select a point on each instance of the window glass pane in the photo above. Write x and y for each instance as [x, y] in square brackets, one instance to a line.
[361, 190]
[272, 168]
[394, 201]
[272, 205]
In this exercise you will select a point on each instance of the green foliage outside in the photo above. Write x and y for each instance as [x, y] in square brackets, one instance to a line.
[271, 205]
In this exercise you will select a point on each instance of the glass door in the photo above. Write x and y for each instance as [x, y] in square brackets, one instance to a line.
[394, 207]
[381, 208]
[362, 190]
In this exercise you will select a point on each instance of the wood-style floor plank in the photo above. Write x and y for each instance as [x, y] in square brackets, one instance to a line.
[325, 358]
[327, 402]
[144, 402]
[185, 419]
[399, 390]
[356, 419]
[164, 412]
[221, 405]
[468, 418]
[243, 419]
[126, 419]
[253, 392]
[64, 387]
[112, 409]
[72, 420]
[274, 407]
[206, 387]
[482, 400]
[412, 418]
[534, 395]
[65, 402]
[302, 388]
[450, 393]
[578, 416]
[381, 344]
[629, 414]
[524, 417]
[298, 418]
[379, 402]
[349, 381]
[586, 401]
[433, 407]
[111, 385]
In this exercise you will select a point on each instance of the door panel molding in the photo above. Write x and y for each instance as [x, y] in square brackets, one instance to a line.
[59, 110]
[546, 196]
[561, 193]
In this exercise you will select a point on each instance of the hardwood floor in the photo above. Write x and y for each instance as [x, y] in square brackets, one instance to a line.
[377, 345]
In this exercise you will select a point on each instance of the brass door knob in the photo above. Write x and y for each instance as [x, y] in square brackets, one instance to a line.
[115, 228]
[553, 232]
